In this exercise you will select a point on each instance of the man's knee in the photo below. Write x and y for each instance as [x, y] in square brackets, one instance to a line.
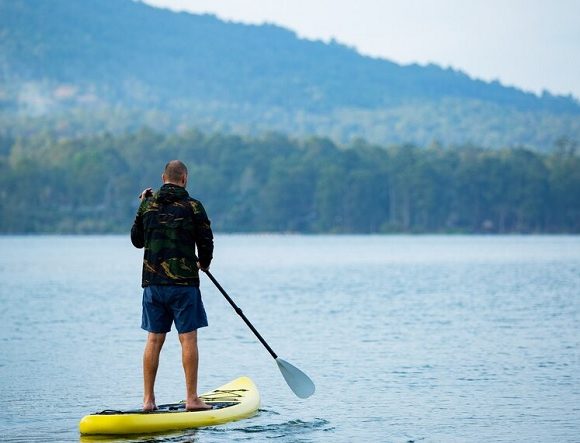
[188, 337]
[156, 340]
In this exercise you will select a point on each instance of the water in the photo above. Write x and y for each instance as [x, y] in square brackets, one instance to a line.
[407, 338]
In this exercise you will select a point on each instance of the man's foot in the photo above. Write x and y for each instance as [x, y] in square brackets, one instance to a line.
[196, 405]
[149, 406]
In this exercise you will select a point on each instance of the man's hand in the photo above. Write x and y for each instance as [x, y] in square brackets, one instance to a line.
[201, 267]
[146, 193]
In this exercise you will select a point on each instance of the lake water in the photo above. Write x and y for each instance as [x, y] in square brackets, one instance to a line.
[408, 338]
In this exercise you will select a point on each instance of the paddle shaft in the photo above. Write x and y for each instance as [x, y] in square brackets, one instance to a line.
[240, 313]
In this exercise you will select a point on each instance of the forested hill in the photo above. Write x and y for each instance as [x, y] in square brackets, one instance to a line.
[118, 64]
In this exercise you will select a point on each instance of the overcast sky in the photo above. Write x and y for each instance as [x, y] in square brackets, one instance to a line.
[531, 44]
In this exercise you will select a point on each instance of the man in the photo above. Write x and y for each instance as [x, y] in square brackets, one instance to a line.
[170, 224]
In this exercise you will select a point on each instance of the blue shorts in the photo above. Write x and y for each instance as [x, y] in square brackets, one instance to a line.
[163, 305]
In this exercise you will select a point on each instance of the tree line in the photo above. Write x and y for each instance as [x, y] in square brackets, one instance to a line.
[275, 183]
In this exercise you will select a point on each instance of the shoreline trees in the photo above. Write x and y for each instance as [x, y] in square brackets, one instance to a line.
[273, 183]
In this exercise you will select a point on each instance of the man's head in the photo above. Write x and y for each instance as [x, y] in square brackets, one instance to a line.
[175, 173]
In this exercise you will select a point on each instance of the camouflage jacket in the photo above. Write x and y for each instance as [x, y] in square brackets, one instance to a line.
[170, 225]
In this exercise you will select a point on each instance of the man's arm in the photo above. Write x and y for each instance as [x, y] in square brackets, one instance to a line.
[137, 234]
[203, 235]
[137, 231]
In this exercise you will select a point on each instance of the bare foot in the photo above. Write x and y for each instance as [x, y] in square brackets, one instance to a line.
[149, 406]
[196, 404]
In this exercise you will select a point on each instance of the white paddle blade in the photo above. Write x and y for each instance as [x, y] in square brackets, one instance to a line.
[298, 381]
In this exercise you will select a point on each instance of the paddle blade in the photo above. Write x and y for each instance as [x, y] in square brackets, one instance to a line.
[298, 381]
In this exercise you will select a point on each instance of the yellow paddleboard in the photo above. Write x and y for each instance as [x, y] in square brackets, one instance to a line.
[233, 401]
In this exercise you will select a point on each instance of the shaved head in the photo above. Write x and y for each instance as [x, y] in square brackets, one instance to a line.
[175, 172]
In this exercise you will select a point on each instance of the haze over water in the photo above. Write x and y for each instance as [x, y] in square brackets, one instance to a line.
[408, 338]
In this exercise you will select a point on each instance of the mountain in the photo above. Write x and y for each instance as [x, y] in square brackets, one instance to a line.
[118, 64]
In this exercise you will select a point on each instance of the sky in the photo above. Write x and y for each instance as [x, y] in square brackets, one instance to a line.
[531, 44]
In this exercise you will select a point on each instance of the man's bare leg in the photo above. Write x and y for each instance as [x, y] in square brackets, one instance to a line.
[150, 365]
[190, 360]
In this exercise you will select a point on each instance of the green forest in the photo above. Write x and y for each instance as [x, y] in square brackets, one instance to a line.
[275, 183]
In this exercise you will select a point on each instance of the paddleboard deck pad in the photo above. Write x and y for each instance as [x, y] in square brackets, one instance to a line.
[233, 401]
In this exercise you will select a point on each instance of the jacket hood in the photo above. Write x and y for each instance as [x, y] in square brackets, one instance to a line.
[170, 193]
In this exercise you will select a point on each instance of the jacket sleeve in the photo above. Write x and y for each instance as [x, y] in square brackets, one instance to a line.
[137, 231]
[203, 234]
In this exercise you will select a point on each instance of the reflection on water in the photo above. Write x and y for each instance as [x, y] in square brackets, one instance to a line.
[428, 338]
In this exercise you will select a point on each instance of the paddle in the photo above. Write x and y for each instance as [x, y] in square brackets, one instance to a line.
[298, 381]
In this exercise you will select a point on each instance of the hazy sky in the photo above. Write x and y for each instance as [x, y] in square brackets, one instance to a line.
[531, 44]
